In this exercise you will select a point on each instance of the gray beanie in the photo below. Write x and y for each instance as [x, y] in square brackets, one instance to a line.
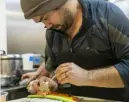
[32, 8]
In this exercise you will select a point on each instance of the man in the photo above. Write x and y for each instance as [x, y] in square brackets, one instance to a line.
[87, 46]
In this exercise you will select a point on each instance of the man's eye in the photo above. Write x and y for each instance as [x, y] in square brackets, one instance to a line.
[45, 18]
[40, 20]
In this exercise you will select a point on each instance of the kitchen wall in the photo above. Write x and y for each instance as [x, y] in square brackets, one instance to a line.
[23, 36]
[3, 35]
[123, 4]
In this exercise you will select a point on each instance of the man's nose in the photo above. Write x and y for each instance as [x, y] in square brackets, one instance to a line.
[49, 26]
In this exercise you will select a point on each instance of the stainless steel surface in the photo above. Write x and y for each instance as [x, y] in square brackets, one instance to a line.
[9, 69]
[7, 65]
[4, 89]
[18, 65]
[18, 61]
[23, 36]
[6, 80]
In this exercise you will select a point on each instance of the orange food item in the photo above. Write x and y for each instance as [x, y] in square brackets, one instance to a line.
[64, 95]
[43, 91]
[75, 99]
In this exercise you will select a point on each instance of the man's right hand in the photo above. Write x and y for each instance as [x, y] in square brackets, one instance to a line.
[31, 76]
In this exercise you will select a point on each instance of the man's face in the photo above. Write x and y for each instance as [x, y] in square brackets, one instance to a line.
[59, 19]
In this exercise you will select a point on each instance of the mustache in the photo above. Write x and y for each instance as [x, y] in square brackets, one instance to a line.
[56, 26]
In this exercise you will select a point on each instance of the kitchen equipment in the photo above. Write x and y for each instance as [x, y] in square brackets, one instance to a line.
[6, 80]
[53, 77]
[18, 65]
[2, 52]
[31, 61]
[8, 67]
[27, 61]
[3, 96]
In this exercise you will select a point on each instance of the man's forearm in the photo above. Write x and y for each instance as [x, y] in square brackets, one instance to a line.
[107, 77]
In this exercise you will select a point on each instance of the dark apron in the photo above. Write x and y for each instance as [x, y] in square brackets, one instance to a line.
[90, 58]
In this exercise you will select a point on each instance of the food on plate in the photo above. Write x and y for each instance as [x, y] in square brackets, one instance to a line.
[43, 91]
[57, 96]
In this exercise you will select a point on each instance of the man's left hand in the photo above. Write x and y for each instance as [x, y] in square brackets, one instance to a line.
[71, 73]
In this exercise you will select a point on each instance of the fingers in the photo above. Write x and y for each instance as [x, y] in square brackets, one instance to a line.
[24, 76]
[62, 66]
[35, 87]
[65, 77]
[61, 77]
[63, 69]
[65, 81]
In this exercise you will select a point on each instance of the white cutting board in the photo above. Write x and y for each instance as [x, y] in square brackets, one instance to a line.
[47, 100]
[34, 100]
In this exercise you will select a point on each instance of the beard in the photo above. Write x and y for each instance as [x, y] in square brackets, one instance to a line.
[66, 20]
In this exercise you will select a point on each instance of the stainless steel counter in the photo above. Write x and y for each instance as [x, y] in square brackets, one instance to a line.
[12, 88]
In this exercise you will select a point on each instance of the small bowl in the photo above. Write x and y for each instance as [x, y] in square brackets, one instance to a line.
[3, 96]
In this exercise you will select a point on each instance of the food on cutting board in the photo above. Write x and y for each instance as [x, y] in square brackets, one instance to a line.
[43, 92]
[42, 89]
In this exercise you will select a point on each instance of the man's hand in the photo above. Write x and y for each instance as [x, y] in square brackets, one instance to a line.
[71, 73]
[31, 76]
[104, 77]
[41, 71]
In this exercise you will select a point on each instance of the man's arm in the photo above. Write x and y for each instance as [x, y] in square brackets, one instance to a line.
[116, 76]
[42, 70]
[106, 77]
